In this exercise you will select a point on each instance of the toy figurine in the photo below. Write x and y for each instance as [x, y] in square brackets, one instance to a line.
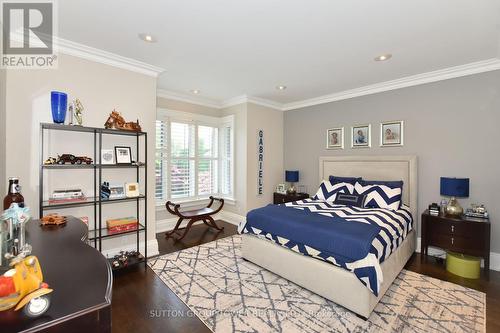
[22, 286]
[78, 112]
[116, 121]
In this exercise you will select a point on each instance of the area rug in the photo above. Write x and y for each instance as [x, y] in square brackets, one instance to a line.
[230, 294]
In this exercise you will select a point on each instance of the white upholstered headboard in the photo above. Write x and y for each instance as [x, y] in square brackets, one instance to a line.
[376, 168]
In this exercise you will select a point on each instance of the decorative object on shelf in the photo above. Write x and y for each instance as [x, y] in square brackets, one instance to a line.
[69, 158]
[335, 138]
[85, 219]
[392, 133]
[454, 187]
[50, 161]
[121, 224]
[123, 155]
[434, 209]
[66, 196]
[116, 121]
[116, 191]
[361, 136]
[107, 156]
[291, 177]
[260, 162]
[132, 190]
[123, 259]
[442, 206]
[14, 194]
[281, 188]
[78, 112]
[105, 191]
[70, 113]
[59, 104]
[53, 219]
[478, 211]
[139, 164]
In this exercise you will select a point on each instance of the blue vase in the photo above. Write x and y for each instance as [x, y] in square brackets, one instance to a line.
[59, 103]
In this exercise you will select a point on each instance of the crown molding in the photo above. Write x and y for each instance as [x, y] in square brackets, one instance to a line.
[409, 81]
[89, 53]
[254, 100]
[198, 100]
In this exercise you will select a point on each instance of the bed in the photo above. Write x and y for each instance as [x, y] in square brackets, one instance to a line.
[339, 284]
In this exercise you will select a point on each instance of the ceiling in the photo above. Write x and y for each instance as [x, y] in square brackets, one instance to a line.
[228, 48]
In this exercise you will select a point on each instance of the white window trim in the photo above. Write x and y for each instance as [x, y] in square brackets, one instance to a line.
[169, 116]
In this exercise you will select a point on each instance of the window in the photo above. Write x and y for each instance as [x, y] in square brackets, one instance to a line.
[194, 156]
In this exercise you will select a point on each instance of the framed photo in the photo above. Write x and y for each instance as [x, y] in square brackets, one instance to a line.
[391, 133]
[123, 155]
[116, 191]
[361, 136]
[107, 156]
[132, 190]
[335, 138]
[281, 188]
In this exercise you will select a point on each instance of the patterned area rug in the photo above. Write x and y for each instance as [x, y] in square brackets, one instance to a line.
[232, 295]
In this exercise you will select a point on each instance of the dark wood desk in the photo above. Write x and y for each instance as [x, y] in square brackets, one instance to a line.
[463, 235]
[80, 276]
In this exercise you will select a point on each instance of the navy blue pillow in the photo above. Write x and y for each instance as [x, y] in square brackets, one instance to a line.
[353, 200]
[350, 180]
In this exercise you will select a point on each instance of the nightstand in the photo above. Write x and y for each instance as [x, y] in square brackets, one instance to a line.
[282, 198]
[463, 235]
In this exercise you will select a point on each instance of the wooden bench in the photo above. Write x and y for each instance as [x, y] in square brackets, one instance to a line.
[203, 214]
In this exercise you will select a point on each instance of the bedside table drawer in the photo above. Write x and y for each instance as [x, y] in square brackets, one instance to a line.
[472, 246]
[462, 229]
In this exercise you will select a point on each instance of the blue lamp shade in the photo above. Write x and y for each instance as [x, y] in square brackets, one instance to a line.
[455, 187]
[291, 176]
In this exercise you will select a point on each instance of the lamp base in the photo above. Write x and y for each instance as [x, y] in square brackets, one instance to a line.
[454, 208]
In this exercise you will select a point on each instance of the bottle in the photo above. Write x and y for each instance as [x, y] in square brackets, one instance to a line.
[14, 194]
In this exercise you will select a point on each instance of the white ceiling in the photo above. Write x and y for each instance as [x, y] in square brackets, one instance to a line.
[228, 48]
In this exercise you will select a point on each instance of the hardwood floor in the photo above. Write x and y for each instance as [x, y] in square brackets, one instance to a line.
[142, 302]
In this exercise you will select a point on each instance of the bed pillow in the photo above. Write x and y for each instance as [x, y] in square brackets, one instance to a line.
[380, 194]
[337, 180]
[351, 200]
[328, 191]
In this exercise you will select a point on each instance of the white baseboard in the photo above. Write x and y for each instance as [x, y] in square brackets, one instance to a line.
[230, 217]
[152, 248]
[435, 252]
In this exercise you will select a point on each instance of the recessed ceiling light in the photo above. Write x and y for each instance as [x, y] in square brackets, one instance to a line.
[147, 38]
[195, 91]
[383, 57]
[281, 87]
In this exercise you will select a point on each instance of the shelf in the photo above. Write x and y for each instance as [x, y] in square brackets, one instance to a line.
[90, 201]
[131, 262]
[85, 129]
[94, 234]
[91, 166]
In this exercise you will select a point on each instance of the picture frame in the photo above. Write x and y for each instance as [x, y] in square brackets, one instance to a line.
[335, 138]
[392, 133]
[281, 188]
[107, 156]
[117, 191]
[132, 190]
[123, 155]
[361, 136]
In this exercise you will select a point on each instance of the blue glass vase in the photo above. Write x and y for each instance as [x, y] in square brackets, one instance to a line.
[59, 103]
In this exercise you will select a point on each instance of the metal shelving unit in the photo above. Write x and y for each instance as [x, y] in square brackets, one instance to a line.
[99, 232]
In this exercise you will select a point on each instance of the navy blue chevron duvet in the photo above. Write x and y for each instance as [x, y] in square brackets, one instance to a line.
[385, 231]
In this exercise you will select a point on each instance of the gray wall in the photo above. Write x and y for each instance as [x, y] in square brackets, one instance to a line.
[452, 126]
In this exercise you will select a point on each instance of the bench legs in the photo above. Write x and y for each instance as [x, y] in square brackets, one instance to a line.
[208, 220]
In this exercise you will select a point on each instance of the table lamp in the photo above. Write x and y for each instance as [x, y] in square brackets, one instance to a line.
[454, 187]
[291, 177]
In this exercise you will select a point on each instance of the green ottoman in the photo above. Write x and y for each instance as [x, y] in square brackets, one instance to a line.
[462, 265]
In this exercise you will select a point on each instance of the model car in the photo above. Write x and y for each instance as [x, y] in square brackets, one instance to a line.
[69, 158]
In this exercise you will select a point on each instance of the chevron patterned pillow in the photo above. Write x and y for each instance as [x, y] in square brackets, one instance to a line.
[380, 195]
[328, 191]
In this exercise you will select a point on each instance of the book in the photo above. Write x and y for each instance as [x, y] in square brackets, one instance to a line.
[120, 221]
[122, 228]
